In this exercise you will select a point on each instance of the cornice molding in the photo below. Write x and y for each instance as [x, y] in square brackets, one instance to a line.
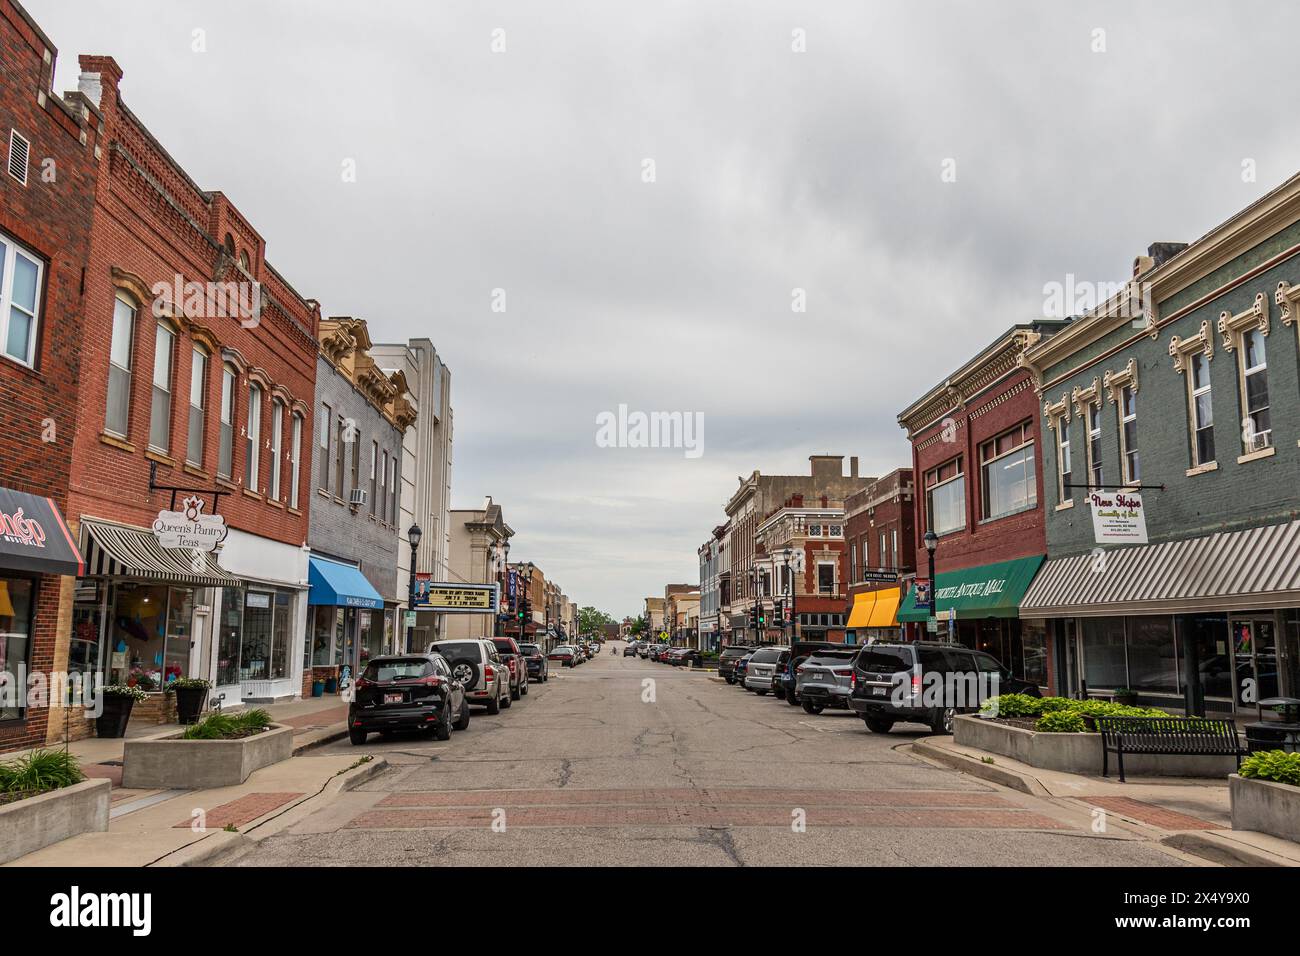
[1091, 395]
[1287, 298]
[1115, 382]
[1231, 326]
[1181, 349]
[1056, 412]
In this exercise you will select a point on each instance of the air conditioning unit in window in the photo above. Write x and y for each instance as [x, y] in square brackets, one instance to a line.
[1261, 440]
[359, 497]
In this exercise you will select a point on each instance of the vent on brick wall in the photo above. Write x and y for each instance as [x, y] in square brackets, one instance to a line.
[19, 152]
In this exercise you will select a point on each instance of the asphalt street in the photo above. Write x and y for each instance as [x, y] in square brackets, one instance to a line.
[625, 762]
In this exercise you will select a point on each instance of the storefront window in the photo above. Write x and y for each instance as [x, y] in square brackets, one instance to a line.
[1152, 655]
[1103, 653]
[138, 635]
[16, 606]
[232, 626]
[255, 647]
[372, 635]
[324, 623]
[180, 618]
[1209, 632]
[282, 621]
[1033, 641]
[88, 614]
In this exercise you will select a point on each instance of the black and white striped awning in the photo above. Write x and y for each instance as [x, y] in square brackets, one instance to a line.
[118, 550]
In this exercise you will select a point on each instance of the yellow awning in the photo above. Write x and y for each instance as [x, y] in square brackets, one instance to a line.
[886, 607]
[861, 613]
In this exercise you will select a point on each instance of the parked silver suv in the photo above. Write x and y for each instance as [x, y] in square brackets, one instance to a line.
[762, 669]
[476, 665]
[825, 679]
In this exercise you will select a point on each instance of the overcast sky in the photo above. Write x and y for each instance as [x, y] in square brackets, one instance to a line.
[774, 170]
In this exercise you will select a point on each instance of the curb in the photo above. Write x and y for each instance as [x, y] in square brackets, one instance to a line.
[1219, 849]
[977, 768]
[319, 738]
[206, 852]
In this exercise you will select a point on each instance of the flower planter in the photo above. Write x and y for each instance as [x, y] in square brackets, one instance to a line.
[1076, 753]
[189, 703]
[117, 712]
[318, 688]
[172, 763]
[29, 825]
[1265, 807]
[332, 685]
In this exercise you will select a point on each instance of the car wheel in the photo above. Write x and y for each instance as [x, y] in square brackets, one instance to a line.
[941, 720]
[463, 722]
[810, 708]
[494, 705]
[878, 725]
[442, 727]
[730, 680]
[779, 693]
[516, 692]
[792, 700]
[465, 671]
[523, 689]
[507, 700]
[358, 737]
[761, 693]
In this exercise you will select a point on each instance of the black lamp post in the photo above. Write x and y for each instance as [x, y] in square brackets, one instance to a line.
[413, 535]
[789, 588]
[931, 542]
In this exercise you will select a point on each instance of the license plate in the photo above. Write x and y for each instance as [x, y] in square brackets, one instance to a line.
[392, 698]
[878, 691]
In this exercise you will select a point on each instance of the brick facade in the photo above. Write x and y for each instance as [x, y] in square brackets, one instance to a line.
[50, 217]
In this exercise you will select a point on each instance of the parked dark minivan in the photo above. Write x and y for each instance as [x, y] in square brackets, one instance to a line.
[926, 683]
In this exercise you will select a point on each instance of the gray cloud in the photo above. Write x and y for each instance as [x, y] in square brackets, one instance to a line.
[775, 170]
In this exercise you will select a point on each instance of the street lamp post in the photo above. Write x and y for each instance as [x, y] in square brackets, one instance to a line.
[503, 579]
[413, 535]
[931, 542]
[790, 591]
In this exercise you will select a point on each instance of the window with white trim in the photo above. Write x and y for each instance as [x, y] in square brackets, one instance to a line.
[198, 405]
[326, 435]
[118, 411]
[277, 429]
[1064, 475]
[1256, 431]
[1008, 480]
[945, 497]
[160, 409]
[253, 437]
[1128, 446]
[226, 449]
[21, 276]
[1202, 410]
[295, 451]
[1096, 476]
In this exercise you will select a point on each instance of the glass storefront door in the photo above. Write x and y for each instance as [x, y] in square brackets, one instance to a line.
[1255, 660]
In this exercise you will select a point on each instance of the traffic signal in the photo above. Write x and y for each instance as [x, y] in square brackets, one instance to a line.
[762, 616]
[753, 617]
[778, 612]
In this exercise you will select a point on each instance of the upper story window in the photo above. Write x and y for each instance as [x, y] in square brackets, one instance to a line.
[118, 411]
[326, 439]
[825, 579]
[374, 477]
[1202, 415]
[295, 453]
[1128, 442]
[21, 274]
[226, 449]
[945, 497]
[342, 436]
[277, 431]
[1064, 473]
[253, 438]
[1256, 431]
[392, 489]
[160, 409]
[1008, 479]
[383, 486]
[1095, 472]
[198, 405]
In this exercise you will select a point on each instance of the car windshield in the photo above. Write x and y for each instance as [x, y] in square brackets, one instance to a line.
[450, 649]
[884, 657]
[504, 646]
[529, 648]
[766, 656]
[405, 668]
[735, 653]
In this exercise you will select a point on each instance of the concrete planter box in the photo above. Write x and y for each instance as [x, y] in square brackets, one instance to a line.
[29, 825]
[172, 763]
[1077, 753]
[1265, 807]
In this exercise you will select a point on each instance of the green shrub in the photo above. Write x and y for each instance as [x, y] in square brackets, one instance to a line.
[227, 726]
[39, 772]
[1013, 705]
[1050, 705]
[1062, 722]
[1275, 765]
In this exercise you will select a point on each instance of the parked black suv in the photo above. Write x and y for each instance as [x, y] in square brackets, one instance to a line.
[539, 667]
[407, 692]
[926, 683]
[728, 658]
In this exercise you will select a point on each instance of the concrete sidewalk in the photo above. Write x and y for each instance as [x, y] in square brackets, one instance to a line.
[1188, 813]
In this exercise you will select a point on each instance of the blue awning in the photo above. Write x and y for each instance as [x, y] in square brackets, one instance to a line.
[343, 585]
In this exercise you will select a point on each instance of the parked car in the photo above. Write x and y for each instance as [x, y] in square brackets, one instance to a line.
[563, 654]
[762, 669]
[630, 650]
[479, 669]
[728, 659]
[825, 679]
[742, 666]
[407, 692]
[539, 667]
[891, 680]
[513, 658]
[686, 657]
[789, 674]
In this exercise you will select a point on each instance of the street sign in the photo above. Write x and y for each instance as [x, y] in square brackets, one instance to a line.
[887, 576]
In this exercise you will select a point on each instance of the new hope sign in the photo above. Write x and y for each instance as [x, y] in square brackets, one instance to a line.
[1118, 518]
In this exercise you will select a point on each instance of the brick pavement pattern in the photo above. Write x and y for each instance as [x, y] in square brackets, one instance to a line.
[241, 811]
[1150, 813]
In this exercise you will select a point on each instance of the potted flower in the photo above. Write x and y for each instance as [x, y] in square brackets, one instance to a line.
[191, 695]
[116, 701]
[318, 687]
[1126, 696]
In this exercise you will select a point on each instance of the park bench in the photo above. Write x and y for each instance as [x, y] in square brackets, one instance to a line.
[1174, 736]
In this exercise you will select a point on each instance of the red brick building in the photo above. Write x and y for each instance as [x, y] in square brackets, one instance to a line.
[198, 367]
[978, 473]
[46, 192]
[802, 565]
[880, 535]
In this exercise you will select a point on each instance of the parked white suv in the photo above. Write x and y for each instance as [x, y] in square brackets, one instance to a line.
[479, 669]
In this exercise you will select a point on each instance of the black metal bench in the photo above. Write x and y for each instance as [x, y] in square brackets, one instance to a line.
[1174, 736]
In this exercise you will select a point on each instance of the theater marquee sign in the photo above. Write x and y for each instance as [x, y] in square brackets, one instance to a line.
[456, 598]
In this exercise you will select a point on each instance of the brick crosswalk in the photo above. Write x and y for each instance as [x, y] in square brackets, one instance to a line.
[244, 810]
[1150, 813]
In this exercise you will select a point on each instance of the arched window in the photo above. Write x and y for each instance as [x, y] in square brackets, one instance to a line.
[226, 453]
